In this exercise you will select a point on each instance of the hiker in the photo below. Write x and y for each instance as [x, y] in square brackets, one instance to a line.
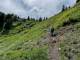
[52, 31]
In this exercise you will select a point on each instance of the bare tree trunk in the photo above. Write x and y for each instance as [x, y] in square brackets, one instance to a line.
[3, 28]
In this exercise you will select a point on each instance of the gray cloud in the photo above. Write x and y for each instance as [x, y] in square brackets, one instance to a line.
[34, 8]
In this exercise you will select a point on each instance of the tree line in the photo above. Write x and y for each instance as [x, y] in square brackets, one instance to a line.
[7, 20]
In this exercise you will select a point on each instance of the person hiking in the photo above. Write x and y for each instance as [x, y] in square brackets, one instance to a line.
[52, 31]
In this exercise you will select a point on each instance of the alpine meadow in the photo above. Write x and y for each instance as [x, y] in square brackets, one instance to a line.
[40, 32]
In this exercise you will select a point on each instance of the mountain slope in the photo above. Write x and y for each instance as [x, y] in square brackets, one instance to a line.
[27, 46]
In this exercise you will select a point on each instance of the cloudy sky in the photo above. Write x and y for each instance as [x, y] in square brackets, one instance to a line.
[34, 8]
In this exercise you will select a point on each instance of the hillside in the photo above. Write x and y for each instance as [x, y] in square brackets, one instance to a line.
[31, 44]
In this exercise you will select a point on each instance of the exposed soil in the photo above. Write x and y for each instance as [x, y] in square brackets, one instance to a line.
[55, 41]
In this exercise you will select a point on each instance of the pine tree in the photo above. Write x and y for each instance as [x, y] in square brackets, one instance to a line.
[63, 8]
[78, 0]
[28, 18]
[40, 19]
[2, 15]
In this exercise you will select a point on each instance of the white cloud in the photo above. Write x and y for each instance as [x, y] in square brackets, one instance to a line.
[29, 2]
[34, 8]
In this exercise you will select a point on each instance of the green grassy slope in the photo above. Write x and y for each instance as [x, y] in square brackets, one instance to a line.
[25, 45]
[70, 45]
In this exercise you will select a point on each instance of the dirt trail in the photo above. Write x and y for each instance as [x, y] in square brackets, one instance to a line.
[53, 48]
[55, 41]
